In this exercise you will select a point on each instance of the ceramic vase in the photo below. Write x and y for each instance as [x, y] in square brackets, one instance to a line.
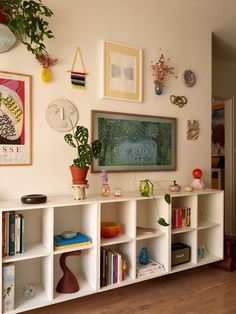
[158, 88]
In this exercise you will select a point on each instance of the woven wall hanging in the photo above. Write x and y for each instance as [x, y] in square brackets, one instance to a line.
[78, 78]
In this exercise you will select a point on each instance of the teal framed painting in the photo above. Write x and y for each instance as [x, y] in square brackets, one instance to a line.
[132, 142]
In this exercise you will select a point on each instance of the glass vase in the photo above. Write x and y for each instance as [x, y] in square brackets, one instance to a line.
[145, 187]
[158, 88]
[144, 256]
[105, 190]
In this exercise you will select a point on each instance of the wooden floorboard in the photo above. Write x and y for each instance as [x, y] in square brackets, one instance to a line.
[204, 290]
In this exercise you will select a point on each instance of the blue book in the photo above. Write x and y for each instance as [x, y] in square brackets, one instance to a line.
[79, 238]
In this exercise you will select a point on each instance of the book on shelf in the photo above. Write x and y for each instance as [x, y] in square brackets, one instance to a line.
[181, 217]
[146, 270]
[59, 240]
[8, 287]
[111, 267]
[12, 233]
[70, 246]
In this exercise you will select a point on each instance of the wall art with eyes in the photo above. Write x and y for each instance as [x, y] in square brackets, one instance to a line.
[62, 115]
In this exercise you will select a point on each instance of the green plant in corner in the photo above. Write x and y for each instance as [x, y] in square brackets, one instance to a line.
[27, 19]
[85, 151]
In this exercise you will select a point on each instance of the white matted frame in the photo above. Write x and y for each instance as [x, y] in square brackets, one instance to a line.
[15, 119]
[122, 72]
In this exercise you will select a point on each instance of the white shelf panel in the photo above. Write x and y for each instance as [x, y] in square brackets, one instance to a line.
[79, 247]
[183, 266]
[85, 289]
[22, 304]
[125, 282]
[207, 224]
[209, 258]
[32, 250]
[154, 275]
[182, 230]
[150, 235]
[122, 238]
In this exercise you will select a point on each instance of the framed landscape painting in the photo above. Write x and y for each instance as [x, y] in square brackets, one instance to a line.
[15, 119]
[133, 142]
[122, 72]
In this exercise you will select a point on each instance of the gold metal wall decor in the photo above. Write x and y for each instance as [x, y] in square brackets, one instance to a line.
[193, 129]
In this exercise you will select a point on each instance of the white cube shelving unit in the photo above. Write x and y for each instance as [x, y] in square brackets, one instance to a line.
[39, 264]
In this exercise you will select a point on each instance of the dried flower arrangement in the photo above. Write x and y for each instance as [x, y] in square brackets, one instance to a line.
[161, 69]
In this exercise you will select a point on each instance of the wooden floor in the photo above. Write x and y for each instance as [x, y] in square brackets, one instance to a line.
[202, 290]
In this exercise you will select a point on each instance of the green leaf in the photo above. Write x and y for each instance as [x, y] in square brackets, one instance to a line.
[167, 198]
[85, 153]
[82, 134]
[69, 139]
[162, 222]
[96, 147]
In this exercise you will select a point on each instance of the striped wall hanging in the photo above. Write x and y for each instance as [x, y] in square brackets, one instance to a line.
[78, 78]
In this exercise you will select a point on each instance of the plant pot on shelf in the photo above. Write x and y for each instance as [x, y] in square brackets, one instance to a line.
[79, 174]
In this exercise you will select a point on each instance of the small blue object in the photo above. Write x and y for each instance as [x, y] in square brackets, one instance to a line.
[144, 258]
[59, 240]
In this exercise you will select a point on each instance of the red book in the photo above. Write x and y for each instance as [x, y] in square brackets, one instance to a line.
[174, 218]
[179, 217]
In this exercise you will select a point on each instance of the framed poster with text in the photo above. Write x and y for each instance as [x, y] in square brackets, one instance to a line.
[15, 119]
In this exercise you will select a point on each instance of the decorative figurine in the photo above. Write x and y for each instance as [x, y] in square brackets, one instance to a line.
[105, 186]
[197, 183]
[174, 187]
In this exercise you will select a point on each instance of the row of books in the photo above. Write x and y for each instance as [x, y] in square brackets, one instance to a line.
[113, 267]
[151, 268]
[12, 233]
[181, 217]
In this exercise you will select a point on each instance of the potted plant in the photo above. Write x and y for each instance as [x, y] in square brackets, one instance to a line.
[28, 21]
[85, 153]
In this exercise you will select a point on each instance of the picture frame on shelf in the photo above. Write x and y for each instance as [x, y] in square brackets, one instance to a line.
[122, 72]
[15, 119]
[132, 142]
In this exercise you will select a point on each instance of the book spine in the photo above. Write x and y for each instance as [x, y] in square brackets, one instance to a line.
[184, 217]
[8, 287]
[17, 234]
[179, 217]
[12, 234]
[7, 214]
[3, 235]
[103, 267]
[22, 234]
[174, 218]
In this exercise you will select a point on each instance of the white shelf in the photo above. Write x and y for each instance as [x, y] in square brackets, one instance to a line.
[207, 224]
[40, 262]
[32, 250]
[121, 238]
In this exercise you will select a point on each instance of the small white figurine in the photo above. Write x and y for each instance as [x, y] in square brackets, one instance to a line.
[197, 183]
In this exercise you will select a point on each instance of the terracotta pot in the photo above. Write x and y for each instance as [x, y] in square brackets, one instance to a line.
[3, 19]
[79, 175]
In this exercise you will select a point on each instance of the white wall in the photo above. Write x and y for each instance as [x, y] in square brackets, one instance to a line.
[85, 24]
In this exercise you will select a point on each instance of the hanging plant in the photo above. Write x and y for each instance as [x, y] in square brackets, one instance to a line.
[27, 19]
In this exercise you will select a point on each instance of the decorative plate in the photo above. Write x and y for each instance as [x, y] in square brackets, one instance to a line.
[189, 78]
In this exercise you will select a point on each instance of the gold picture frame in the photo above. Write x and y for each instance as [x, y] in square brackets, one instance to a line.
[15, 119]
[122, 72]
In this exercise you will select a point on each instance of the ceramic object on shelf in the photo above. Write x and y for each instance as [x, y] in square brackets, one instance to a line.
[144, 257]
[158, 88]
[145, 187]
[174, 187]
[110, 229]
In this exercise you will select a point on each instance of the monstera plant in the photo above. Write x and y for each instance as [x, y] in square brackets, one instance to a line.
[28, 20]
[85, 152]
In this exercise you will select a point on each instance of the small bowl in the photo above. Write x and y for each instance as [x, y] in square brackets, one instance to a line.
[110, 229]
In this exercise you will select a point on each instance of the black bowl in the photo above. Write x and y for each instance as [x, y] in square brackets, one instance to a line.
[34, 199]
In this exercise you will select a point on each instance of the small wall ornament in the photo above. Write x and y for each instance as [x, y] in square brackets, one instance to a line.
[178, 100]
[189, 78]
[160, 70]
[193, 129]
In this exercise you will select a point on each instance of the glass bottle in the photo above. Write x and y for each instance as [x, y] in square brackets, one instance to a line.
[144, 256]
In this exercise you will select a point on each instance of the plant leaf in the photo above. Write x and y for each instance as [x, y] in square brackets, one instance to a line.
[82, 134]
[69, 139]
[96, 147]
[162, 222]
[167, 198]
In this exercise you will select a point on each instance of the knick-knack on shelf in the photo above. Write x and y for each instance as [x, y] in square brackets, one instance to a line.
[105, 189]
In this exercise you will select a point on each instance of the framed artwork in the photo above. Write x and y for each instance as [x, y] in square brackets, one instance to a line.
[15, 119]
[122, 72]
[133, 142]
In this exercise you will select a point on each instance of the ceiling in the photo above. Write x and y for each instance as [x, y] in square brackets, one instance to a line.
[218, 16]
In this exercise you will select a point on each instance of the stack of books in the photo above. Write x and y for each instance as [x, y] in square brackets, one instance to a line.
[61, 243]
[181, 217]
[152, 268]
[12, 233]
[113, 267]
